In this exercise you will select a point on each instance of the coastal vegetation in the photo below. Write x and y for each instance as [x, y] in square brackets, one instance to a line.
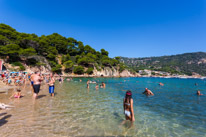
[62, 53]
[188, 63]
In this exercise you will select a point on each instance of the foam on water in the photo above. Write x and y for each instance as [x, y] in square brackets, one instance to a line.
[175, 110]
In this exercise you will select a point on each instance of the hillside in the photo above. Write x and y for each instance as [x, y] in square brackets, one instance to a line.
[188, 63]
[58, 53]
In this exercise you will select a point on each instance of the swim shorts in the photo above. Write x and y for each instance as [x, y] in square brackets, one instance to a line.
[9, 81]
[36, 88]
[51, 89]
[32, 82]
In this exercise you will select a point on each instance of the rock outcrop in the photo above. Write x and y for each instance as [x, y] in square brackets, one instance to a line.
[43, 65]
[111, 72]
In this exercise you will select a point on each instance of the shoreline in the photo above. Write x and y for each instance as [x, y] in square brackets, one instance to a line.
[92, 76]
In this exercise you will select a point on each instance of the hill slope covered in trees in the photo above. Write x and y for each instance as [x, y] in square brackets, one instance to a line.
[62, 53]
[187, 63]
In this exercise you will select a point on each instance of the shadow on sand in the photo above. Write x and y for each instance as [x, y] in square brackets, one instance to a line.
[1, 114]
[4, 119]
[40, 96]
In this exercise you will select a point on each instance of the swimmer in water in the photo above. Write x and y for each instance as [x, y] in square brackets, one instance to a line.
[198, 93]
[88, 83]
[147, 92]
[97, 86]
[103, 85]
[161, 84]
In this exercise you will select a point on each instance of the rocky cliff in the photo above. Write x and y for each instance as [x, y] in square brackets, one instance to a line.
[43, 65]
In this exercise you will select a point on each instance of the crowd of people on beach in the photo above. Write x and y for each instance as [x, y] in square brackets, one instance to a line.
[21, 79]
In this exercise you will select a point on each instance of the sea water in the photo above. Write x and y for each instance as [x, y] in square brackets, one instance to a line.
[174, 110]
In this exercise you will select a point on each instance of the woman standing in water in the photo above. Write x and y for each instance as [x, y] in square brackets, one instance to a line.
[128, 106]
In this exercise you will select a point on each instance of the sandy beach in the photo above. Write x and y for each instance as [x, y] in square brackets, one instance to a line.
[21, 108]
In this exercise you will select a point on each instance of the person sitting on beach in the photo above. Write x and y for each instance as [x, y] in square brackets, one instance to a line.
[147, 92]
[198, 93]
[9, 81]
[17, 81]
[97, 86]
[128, 107]
[16, 94]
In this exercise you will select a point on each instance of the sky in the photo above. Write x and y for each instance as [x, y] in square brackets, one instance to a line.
[128, 28]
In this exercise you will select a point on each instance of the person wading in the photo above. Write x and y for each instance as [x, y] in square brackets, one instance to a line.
[51, 85]
[36, 83]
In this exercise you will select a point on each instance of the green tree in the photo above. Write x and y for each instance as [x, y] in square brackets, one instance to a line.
[104, 52]
[68, 64]
[51, 53]
[4, 40]
[80, 47]
[88, 49]
[10, 49]
[89, 71]
[28, 52]
[57, 68]
[79, 70]
[58, 41]
[106, 62]
[65, 58]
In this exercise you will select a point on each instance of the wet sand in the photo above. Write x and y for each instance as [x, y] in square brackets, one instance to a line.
[13, 121]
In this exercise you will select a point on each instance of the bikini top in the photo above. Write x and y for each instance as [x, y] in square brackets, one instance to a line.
[128, 104]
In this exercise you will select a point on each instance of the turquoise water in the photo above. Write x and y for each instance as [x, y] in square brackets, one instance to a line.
[173, 111]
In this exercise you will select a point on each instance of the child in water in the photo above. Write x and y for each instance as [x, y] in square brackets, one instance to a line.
[97, 87]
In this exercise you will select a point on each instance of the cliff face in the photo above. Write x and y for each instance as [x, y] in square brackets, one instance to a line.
[111, 72]
[42, 65]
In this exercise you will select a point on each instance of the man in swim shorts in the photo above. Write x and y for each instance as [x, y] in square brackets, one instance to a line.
[51, 85]
[147, 92]
[36, 83]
